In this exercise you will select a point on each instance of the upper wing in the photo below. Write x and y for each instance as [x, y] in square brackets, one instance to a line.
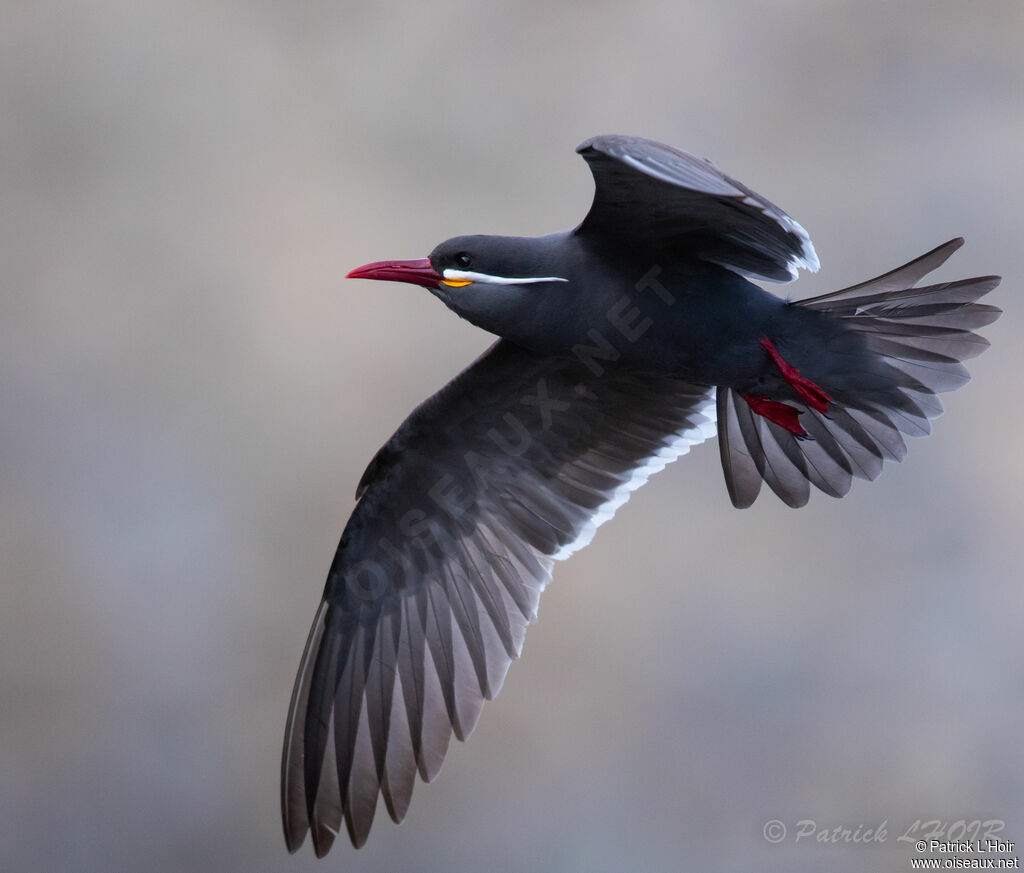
[461, 514]
[648, 193]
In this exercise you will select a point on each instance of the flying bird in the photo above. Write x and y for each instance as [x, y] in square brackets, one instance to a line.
[623, 342]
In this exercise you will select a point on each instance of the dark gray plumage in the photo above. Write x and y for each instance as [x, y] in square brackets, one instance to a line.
[919, 337]
[461, 515]
[624, 340]
[648, 191]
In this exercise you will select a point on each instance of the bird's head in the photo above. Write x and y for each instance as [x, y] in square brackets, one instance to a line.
[492, 281]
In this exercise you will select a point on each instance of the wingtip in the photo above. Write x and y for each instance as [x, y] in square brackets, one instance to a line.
[397, 805]
[810, 258]
[357, 833]
[808, 261]
[590, 143]
[323, 839]
[605, 141]
[293, 841]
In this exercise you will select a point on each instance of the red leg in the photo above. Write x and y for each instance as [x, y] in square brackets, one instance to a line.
[782, 414]
[815, 396]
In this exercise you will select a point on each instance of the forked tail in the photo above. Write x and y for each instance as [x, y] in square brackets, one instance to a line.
[920, 336]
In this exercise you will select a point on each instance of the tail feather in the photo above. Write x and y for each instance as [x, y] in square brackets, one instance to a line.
[899, 279]
[919, 336]
[742, 459]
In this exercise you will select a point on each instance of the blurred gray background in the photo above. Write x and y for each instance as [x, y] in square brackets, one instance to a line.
[190, 392]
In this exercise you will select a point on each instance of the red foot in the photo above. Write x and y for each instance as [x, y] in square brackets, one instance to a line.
[782, 414]
[815, 397]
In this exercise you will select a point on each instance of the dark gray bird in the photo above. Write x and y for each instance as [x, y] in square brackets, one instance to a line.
[623, 342]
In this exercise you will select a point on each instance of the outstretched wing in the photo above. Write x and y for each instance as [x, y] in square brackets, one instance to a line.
[648, 194]
[511, 466]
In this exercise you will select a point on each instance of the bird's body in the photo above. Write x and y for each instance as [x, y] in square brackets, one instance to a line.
[644, 311]
[624, 341]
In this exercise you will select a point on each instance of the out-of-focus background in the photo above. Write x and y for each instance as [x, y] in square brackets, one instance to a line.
[190, 392]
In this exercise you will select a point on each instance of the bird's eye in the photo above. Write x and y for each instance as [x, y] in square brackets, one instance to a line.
[463, 260]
